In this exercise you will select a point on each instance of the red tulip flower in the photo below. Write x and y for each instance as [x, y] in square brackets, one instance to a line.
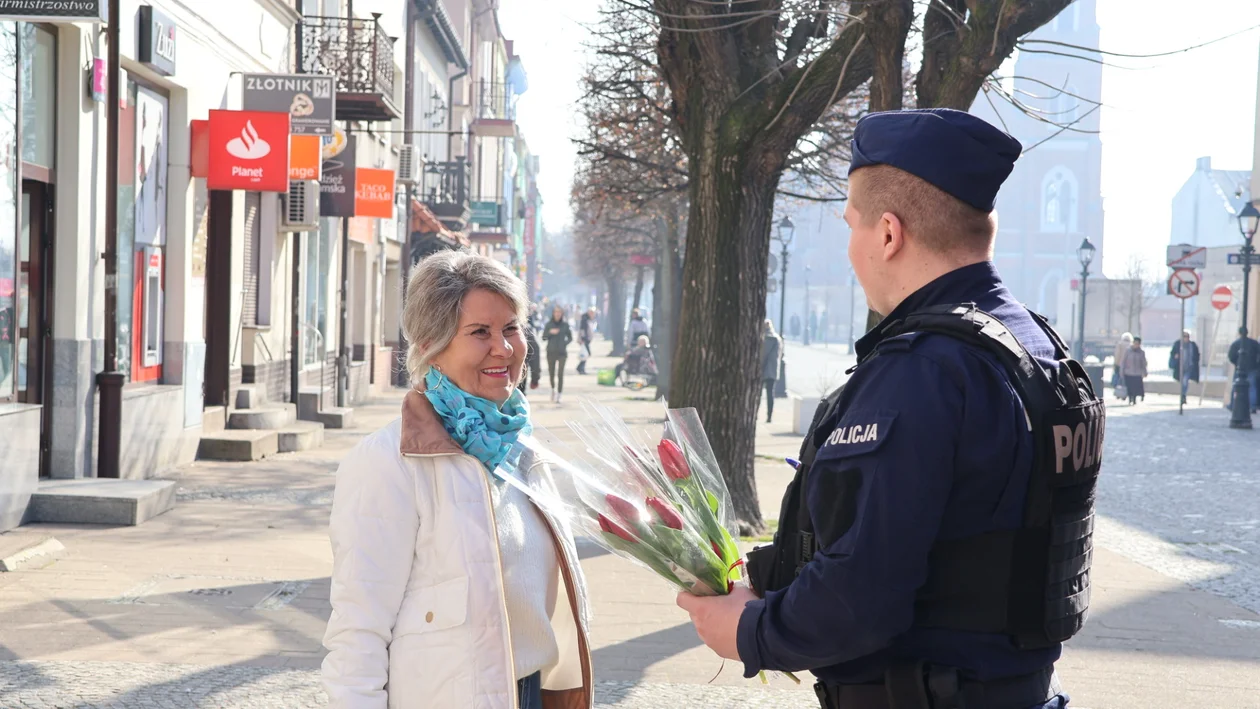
[612, 527]
[624, 509]
[665, 513]
[673, 460]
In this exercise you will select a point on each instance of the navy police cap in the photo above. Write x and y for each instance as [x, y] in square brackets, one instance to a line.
[959, 153]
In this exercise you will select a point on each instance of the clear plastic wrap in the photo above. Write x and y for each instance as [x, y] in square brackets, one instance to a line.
[662, 504]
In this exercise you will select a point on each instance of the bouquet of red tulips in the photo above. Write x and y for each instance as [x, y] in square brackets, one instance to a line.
[661, 503]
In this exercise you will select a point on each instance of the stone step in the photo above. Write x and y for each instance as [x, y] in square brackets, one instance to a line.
[301, 436]
[101, 501]
[309, 402]
[336, 417]
[242, 445]
[213, 419]
[273, 416]
[19, 550]
[251, 396]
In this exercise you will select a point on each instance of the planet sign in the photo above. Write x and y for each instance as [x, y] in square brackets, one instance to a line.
[1222, 297]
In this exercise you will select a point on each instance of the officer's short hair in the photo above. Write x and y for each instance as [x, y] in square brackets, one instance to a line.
[938, 220]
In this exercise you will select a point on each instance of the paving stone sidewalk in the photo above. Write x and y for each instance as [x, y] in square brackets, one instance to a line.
[222, 602]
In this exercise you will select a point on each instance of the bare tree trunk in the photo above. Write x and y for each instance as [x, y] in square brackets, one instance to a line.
[638, 287]
[617, 314]
[888, 42]
[666, 301]
[723, 310]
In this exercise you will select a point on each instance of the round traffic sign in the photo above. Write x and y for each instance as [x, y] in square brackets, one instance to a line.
[1184, 283]
[1222, 297]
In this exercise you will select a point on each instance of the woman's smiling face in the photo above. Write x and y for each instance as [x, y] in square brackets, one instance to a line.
[487, 354]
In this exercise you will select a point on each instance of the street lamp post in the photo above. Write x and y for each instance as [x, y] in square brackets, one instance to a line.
[808, 310]
[1248, 219]
[786, 231]
[1085, 252]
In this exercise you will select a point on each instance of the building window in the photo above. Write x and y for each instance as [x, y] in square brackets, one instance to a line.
[1059, 201]
[8, 210]
[39, 94]
[318, 255]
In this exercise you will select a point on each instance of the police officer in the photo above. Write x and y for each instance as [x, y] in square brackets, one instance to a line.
[934, 548]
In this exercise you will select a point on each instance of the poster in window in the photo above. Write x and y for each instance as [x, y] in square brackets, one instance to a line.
[151, 168]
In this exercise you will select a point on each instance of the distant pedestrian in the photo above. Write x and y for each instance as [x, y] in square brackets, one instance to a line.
[823, 328]
[1117, 379]
[1244, 354]
[796, 326]
[638, 326]
[771, 354]
[1184, 350]
[533, 362]
[1133, 368]
[558, 336]
[586, 336]
[813, 325]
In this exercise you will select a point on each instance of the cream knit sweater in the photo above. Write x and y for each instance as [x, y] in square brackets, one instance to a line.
[531, 579]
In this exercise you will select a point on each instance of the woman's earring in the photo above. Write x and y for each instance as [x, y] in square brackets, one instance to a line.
[437, 367]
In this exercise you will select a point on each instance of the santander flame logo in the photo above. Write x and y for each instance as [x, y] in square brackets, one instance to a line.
[249, 146]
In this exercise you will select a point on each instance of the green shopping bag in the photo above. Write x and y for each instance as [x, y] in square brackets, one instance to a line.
[606, 377]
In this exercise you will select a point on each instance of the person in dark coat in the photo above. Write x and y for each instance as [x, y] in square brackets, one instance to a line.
[586, 336]
[558, 336]
[533, 363]
[1244, 354]
[771, 354]
[796, 326]
[1186, 349]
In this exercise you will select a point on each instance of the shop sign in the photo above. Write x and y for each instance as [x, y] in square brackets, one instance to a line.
[97, 85]
[486, 213]
[249, 150]
[374, 193]
[336, 185]
[309, 98]
[156, 40]
[304, 157]
[55, 10]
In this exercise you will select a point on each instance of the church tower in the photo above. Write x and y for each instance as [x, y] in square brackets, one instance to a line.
[1053, 199]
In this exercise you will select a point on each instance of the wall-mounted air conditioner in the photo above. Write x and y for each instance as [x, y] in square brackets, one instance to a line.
[301, 206]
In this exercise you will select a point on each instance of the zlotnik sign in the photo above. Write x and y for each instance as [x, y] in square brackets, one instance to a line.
[309, 99]
[54, 10]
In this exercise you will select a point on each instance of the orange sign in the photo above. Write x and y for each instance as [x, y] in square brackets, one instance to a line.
[374, 193]
[304, 157]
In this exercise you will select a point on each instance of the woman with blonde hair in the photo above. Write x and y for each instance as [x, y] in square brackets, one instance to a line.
[449, 588]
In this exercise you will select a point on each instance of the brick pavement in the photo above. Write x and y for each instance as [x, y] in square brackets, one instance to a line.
[222, 601]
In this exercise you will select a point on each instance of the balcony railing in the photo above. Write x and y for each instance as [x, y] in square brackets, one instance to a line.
[495, 101]
[445, 190]
[360, 56]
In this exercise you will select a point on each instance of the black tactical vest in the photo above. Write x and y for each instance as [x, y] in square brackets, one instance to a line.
[1030, 583]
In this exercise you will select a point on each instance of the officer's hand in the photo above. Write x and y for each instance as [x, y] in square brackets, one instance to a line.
[717, 618]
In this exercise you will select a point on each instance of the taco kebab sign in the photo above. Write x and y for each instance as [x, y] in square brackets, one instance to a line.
[309, 99]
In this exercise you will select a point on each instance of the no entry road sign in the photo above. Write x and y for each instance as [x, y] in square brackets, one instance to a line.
[1184, 283]
[1222, 297]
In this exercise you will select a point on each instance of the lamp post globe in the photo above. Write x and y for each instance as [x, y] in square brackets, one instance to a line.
[1240, 411]
[1085, 254]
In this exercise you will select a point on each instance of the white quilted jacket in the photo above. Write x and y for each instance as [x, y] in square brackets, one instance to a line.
[418, 612]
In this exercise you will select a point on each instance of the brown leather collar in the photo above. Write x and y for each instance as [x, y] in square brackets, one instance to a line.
[422, 430]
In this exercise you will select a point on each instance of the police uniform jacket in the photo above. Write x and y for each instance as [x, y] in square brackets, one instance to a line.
[929, 442]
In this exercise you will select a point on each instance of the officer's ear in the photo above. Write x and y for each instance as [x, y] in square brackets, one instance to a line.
[893, 234]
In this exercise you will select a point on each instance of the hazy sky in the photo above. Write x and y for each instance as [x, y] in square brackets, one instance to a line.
[1159, 114]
